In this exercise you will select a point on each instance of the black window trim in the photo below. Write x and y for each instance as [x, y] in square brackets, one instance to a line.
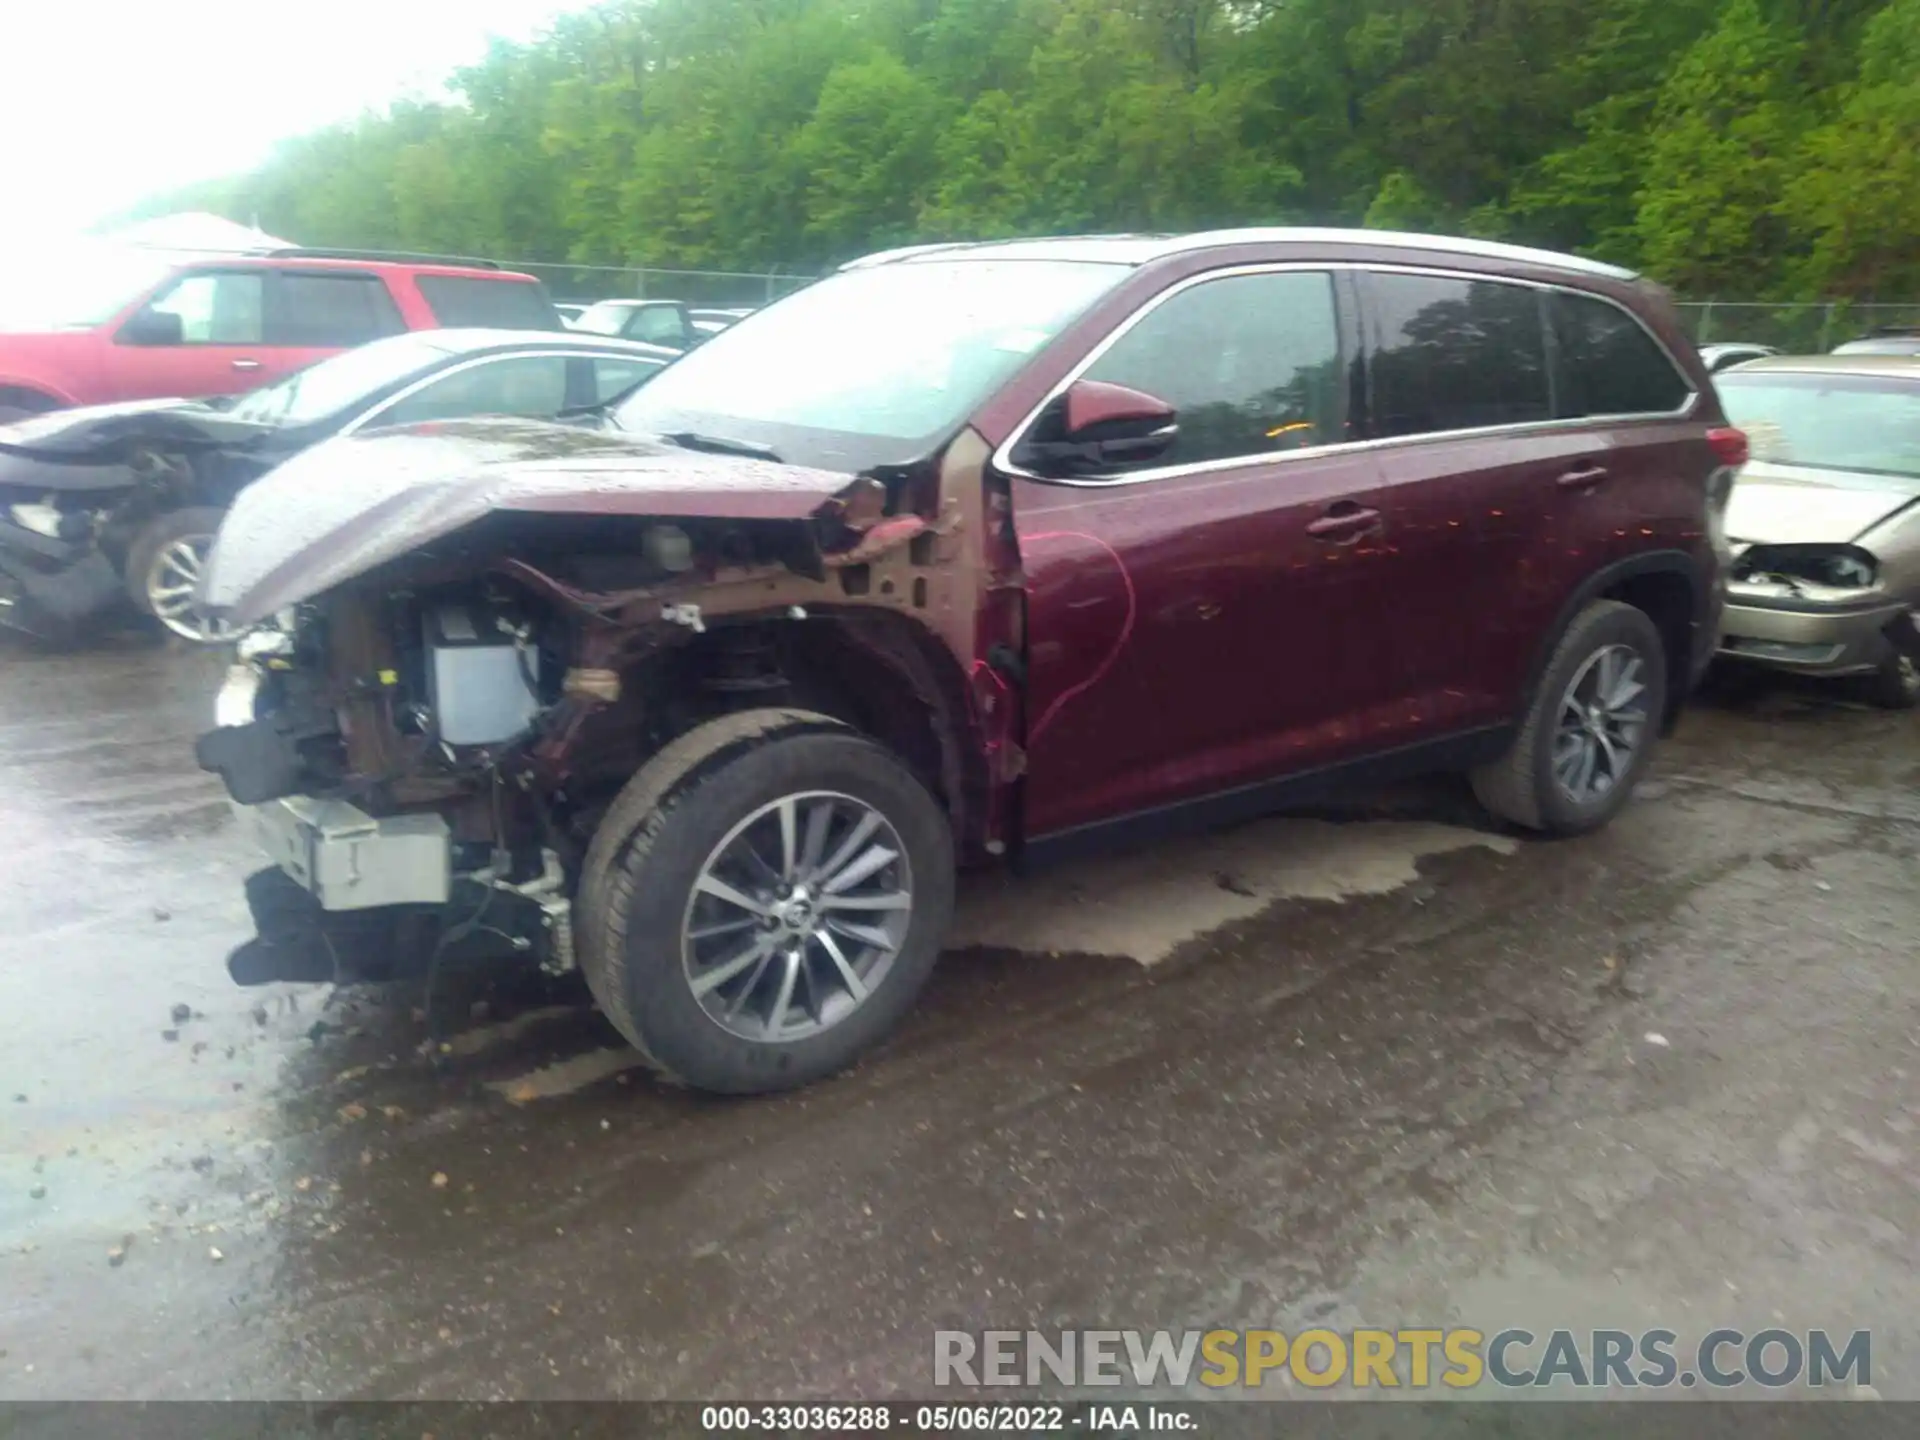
[1356, 269]
[274, 306]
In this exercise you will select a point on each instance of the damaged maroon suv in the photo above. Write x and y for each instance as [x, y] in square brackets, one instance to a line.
[966, 552]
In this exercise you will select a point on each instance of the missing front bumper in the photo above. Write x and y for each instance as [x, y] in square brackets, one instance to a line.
[349, 860]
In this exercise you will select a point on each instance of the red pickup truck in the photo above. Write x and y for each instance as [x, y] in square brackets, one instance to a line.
[131, 324]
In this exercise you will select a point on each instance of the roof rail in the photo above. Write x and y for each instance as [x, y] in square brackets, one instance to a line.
[304, 252]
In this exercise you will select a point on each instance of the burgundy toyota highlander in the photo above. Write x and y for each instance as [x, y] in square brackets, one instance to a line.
[966, 552]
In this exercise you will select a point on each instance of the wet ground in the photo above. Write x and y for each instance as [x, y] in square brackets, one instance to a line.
[1380, 1067]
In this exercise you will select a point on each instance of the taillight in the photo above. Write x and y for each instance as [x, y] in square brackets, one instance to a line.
[1729, 444]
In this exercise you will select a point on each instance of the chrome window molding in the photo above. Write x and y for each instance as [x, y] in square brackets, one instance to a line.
[1003, 456]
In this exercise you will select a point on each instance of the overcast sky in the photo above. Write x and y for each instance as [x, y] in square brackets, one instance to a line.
[106, 101]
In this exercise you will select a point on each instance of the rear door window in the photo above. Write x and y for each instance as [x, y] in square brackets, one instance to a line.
[1251, 363]
[1607, 364]
[614, 377]
[534, 386]
[1452, 353]
[322, 309]
[467, 300]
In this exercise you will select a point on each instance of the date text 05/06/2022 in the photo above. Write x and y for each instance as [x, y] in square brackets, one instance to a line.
[962, 1419]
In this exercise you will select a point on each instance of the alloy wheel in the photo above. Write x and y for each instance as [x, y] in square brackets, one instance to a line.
[797, 916]
[173, 580]
[1602, 724]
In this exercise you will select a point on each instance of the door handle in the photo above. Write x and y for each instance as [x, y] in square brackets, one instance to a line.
[246, 364]
[1584, 478]
[1344, 524]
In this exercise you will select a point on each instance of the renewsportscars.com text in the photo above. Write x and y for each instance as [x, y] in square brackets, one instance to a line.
[1415, 1359]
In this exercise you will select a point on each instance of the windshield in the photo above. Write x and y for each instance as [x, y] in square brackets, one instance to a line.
[899, 353]
[608, 317]
[1865, 423]
[334, 384]
[77, 288]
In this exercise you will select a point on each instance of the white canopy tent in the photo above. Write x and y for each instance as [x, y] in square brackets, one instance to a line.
[195, 231]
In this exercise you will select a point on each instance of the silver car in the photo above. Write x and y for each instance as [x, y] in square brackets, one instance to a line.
[1825, 519]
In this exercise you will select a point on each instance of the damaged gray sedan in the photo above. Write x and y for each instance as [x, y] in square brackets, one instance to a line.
[1825, 520]
[108, 504]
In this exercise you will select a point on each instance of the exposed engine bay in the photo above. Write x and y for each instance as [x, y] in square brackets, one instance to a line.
[465, 714]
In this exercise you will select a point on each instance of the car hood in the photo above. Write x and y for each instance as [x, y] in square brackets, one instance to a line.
[83, 448]
[347, 505]
[1776, 504]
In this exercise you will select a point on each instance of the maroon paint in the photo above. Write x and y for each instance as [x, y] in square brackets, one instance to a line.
[1193, 633]
[1095, 402]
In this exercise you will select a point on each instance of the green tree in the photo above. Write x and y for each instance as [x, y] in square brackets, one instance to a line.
[1719, 155]
[1857, 193]
[1729, 146]
[869, 155]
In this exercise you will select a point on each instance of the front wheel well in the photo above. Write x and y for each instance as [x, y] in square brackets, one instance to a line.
[880, 674]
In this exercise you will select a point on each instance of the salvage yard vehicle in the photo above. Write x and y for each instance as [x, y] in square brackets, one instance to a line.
[113, 502]
[1888, 340]
[962, 554]
[1825, 519]
[657, 322]
[113, 323]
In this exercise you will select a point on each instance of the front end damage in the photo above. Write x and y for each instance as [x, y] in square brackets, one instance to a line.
[1816, 609]
[1822, 580]
[79, 487]
[451, 675]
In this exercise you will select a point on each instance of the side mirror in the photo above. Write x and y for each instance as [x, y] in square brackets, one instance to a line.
[153, 327]
[1095, 426]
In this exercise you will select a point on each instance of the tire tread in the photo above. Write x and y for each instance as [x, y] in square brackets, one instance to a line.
[627, 834]
[1509, 787]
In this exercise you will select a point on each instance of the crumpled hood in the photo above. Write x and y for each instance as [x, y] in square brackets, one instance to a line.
[86, 448]
[89, 428]
[349, 504]
[1775, 504]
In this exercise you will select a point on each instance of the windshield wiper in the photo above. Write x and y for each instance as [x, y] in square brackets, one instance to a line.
[720, 445]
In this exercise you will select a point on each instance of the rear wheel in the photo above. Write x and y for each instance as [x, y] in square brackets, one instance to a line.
[164, 566]
[1589, 733]
[765, 900]
[1896, 684]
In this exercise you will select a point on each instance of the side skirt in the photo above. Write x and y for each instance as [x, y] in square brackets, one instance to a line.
[1222, 808]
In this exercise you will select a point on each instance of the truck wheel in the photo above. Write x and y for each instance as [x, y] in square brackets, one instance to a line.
[764, 901]
[1589, 733]
[164, 564]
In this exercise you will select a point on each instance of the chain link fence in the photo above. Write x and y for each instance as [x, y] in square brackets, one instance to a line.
[718, 289]
[1811, 328]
